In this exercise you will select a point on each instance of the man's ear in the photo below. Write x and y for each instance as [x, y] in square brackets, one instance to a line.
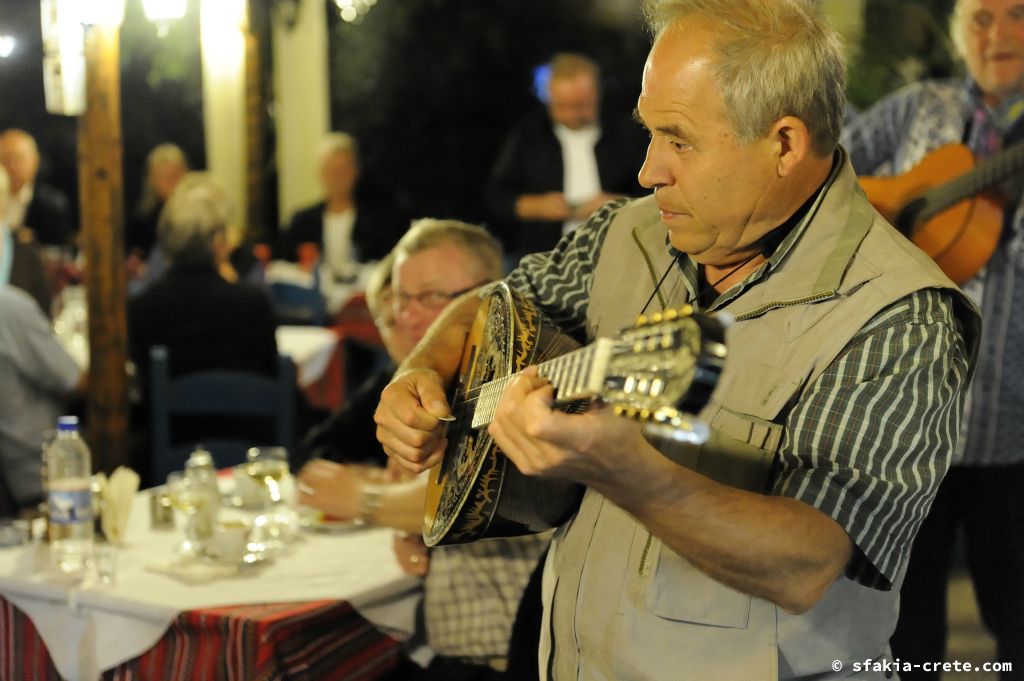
[794, 143]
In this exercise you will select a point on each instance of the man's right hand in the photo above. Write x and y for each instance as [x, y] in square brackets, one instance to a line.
[411, 419]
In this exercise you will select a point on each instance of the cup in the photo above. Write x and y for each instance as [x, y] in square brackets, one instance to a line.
[104, 557]
[161, 514]
[249, 492]
[230, 540]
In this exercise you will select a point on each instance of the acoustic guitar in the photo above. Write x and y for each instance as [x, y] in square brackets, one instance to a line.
[943, 207]
[659, 372]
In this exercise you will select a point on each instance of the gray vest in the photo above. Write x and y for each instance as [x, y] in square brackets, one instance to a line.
[621, 605]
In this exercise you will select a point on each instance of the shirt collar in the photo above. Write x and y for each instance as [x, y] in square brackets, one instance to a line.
[1002, 117]
[690, 270]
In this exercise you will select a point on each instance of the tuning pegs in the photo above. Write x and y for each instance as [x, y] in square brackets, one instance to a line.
[667, 316]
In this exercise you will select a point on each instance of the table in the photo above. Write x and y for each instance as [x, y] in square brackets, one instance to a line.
[314, 604]
[310, 347]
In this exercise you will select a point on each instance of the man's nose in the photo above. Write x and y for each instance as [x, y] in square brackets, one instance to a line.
[653, 173]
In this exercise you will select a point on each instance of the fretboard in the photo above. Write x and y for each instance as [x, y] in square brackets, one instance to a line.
[576, 375]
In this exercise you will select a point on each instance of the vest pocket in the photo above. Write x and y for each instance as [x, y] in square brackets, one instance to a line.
[680, 592]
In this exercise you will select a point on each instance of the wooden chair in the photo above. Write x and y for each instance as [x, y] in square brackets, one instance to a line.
[221, 394]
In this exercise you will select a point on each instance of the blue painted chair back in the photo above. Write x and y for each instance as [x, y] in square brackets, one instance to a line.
[216, 393]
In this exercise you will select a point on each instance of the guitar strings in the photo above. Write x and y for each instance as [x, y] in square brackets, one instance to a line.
[552, 352]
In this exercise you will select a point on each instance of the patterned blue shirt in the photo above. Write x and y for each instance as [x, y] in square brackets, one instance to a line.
[891, 138]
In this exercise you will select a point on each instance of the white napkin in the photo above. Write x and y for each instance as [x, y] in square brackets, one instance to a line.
[118, 494]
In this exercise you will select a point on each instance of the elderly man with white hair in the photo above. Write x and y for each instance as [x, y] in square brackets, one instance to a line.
[984, 111]
[195, 309]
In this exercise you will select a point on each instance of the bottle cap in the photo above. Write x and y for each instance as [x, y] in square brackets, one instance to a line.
[200, 457]
[67, 423]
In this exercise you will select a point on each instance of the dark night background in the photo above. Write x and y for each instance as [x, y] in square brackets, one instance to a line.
[429, 87]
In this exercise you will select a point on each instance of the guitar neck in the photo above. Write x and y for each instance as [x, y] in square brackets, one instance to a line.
[577, 375]
[986, 173]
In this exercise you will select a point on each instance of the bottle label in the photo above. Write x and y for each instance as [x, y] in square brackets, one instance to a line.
[68, 507]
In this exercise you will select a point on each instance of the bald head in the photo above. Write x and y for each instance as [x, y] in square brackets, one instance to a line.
[19, 156]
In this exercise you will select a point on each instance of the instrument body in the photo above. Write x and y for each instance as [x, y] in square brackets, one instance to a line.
[659, 371]
[943, 205]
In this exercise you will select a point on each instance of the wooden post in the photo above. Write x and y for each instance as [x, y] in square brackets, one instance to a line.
[101, 191]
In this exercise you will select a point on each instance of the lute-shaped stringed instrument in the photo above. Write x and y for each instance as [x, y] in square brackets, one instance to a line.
[660, 371]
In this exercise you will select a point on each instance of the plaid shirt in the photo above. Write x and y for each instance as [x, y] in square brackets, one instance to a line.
[472, 592]
[868, 442]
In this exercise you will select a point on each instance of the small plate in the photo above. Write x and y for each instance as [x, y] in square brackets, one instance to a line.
[252, 557]
[314, 519]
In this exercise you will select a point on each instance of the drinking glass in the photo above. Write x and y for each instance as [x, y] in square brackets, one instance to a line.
[105, 559]
[277, 524]
[188, 497]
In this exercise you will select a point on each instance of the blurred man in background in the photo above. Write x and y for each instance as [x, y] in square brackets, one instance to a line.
[557, 166]
[36, 211]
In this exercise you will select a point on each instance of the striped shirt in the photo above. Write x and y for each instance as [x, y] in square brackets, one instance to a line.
[891, 138]
[868, 442]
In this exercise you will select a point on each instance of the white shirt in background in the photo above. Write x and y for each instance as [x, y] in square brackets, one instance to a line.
[17, 206]
[338, 255]
[580, 180]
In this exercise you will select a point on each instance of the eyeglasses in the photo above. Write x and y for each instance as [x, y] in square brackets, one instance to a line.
[433, 300]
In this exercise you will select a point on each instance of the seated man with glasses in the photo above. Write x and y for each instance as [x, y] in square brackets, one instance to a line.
[471, 591]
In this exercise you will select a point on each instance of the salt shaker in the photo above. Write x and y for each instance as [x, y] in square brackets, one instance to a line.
[200, 468]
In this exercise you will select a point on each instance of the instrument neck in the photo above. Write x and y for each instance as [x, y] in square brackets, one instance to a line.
[571, 375]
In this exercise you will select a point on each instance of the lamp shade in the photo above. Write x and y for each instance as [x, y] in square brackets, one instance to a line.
[164, 10]
[100, 12]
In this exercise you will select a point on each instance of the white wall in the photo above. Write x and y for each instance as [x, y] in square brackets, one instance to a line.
[302, 104]
[221, 25]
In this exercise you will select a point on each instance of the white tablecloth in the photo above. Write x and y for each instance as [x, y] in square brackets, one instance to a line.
[90, 627]
[310, 347]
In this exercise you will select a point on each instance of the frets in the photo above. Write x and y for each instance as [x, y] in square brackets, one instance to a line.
[576, 375]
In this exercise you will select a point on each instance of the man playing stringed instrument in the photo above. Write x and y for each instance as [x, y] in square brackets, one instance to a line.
[843, 387]
[982, 490]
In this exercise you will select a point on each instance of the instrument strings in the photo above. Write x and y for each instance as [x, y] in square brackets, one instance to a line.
[551, 353]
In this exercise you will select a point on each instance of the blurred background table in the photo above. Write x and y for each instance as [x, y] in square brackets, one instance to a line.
[335, 606]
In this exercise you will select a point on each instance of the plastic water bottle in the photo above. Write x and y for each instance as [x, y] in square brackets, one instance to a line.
[69, 471]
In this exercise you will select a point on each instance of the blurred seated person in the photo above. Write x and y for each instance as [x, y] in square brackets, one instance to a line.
[349, 433]
[38, 377]
[195, 308]
[471, 591]
[22, 265]
[166, 165]
[36, 211]
[345, 229]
